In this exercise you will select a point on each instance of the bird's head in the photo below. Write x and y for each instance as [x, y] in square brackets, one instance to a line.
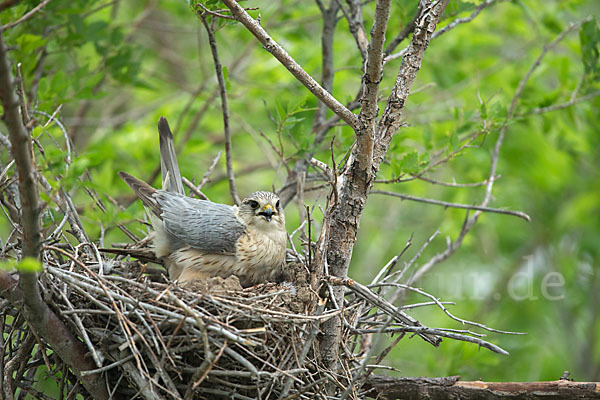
[263, 210]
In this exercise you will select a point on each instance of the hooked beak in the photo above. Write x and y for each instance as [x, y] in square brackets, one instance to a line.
[267, 212]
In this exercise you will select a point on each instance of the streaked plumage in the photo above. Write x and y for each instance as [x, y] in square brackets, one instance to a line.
[198, 239]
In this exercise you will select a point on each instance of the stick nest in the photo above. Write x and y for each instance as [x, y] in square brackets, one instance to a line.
[152, 338]
[210, 338]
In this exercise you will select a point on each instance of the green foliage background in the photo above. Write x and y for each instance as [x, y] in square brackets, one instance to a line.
[115, 67]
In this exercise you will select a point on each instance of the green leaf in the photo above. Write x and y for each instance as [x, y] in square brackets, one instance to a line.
[28, 43]
[589, 37]
[410, 163]
[454, 142]
[483, 110]
[28, 264]
[226, 78]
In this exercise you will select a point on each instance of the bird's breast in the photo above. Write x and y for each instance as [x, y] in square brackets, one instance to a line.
[257, 249]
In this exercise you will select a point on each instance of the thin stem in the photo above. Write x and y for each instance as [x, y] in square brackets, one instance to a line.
[453, 205]
[225, 108]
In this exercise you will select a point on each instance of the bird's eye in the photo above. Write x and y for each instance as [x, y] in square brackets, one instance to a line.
[253, 204]
[277, 204]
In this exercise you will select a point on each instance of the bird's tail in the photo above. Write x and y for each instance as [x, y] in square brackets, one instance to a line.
[171, 177]
[143, 191]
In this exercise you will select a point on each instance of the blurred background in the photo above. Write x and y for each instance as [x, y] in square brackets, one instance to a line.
[110, 69]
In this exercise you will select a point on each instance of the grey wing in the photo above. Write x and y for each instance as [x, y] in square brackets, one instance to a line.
[207, 226]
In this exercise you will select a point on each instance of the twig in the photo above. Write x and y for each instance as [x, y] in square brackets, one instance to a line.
[447, 28]
[312, 334]
[464, 20]
[404, 33]
[26, 16]
[277, 151]
[209, 171]
[225, 109]
[109, 366]
[453, 205]
[357, 25]
[467, 144]
[96, 354]
[213, 13]
[327, 67]
[450, 249]
[398, 275]
[52, 118]
[445, 310]
[425, 304]
[94, 289]
[452, 184]
[440, 332]
[193, 188]
[387, 268]
[146, 389]
[561, 106]
[382, 303]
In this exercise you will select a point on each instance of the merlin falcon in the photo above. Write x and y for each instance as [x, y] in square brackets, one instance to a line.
[198, 239]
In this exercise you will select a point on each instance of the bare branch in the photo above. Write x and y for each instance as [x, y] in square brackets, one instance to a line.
[327, 67]
[446, 29]
[450, 249]
[388, 268]
[396, 276]
[225, 107]
[444, 309]
[408, 29]
[193, 188]
[357, 26]
[288, 62]
[36, 311]
[384, 305]
[209, 171]
[561, 106]
[453, 205]
[423, 330]
[370, 86]
[213, 13]
[451, 184]
[391, 118]
[496, 152]
[26, 16]
[464, 20]
[386, 387]
[342, 225]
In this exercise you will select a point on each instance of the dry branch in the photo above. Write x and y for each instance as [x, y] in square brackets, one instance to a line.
[342, 224]
[224, 108]
[27, 16]
[383, 387]
[35, 309]
[519, 214]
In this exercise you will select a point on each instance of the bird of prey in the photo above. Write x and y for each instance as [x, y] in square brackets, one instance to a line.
[199, 239]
